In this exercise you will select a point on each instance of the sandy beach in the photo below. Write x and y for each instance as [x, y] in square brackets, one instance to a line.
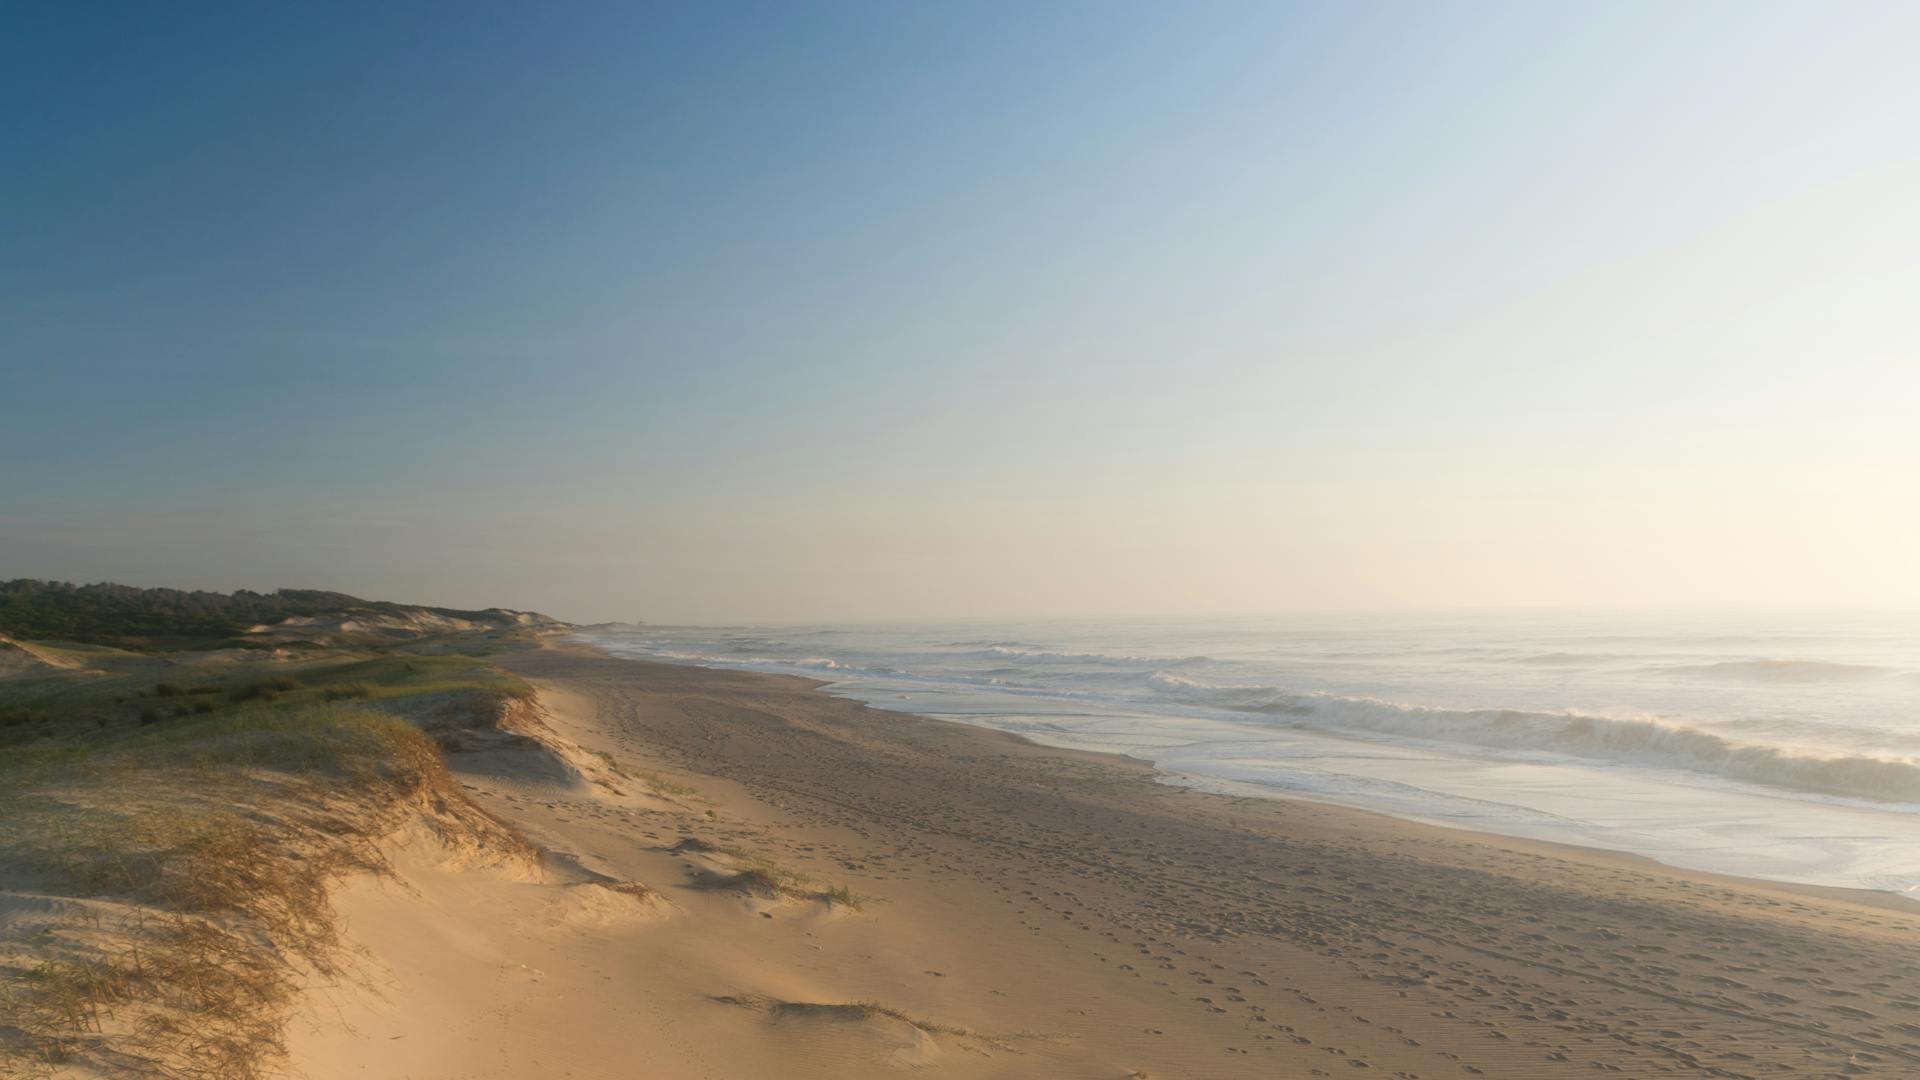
[746, 877]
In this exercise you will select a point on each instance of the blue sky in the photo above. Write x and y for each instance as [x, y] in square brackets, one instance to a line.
[778, 311]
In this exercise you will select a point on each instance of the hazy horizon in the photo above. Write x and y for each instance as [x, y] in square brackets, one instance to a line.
[759, 314]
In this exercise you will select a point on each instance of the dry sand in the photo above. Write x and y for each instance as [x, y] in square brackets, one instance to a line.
[1046, 913]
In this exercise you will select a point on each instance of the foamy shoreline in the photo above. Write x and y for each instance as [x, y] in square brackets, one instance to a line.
[1698, 822]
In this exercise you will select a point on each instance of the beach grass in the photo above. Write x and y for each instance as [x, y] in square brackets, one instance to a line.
[654, 782]
[850, 1011]
[204, 815]
[761, 876]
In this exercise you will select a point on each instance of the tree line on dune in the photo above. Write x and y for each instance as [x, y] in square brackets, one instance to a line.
[129, 617]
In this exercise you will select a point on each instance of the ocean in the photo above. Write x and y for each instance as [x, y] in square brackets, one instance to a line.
[1782, 747]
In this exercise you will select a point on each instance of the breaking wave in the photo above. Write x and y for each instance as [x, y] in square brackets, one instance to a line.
[1034, 654]
[1599, 738]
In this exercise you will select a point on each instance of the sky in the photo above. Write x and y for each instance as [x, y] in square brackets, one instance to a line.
[735, 312]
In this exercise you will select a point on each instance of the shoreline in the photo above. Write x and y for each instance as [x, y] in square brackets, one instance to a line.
[1229, 788]
[1888, 898]
[944, 897]
[1895, 901]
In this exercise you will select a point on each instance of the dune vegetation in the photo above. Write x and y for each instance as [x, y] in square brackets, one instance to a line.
[156, 620]
[170, 825]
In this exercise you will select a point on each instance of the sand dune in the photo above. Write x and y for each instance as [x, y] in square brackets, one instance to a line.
[757, 880]
[21, 659]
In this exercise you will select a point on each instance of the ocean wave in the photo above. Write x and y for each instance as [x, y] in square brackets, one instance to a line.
[1598, 738]
[820, 663]
[1783, 671]
[1036, 654]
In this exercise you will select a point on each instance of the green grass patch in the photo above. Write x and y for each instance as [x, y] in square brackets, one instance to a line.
[81, 713]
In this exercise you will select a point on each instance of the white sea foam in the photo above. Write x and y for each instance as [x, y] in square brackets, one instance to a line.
[1627, 741]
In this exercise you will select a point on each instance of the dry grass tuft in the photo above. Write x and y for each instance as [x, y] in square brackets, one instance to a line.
[763, 877]
[655, 782]
[660, 785]
[708, 847]
[768, 881]
[629, 888]
[847, 898]
[847, 1012]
